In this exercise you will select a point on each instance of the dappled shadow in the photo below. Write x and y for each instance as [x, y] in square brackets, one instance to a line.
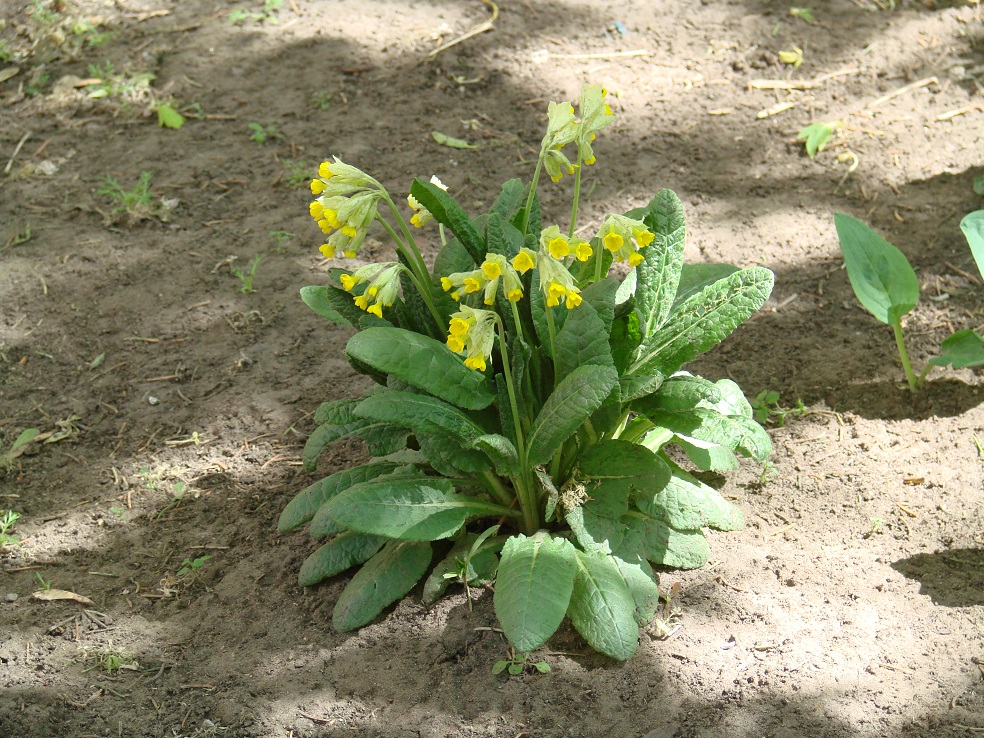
[953, 578]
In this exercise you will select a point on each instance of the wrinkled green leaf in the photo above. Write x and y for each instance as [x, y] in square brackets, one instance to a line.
[339, 554]
[695, 277]
[501, 451]
[641, 583]
[412, 509]
[679, 393]
[666, 546]
[583, 341]
[511, 198]
[963, 348]
[302, 508]
[422, 413]
[316, 298]
[323, 524]
[880, 275]
[422, 362]
[569, 405]
[449, 458]
[384, 579]
[617, 467]
[686, 503]
[480, 565]
[533, 588]
[602, 608]
[659, 274]
[736, 432]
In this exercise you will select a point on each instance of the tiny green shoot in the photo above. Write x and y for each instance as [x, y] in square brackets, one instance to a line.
[805, 14]
[246, 276]
[168, 117]
[516, 664]
[875, 523]
[17, 448]
[192, 566]
[43, 584]
[7, 521]
[816, 135]
[321, 100]
[261, 133]
[792, 57]
[134, 201]
[240, 15]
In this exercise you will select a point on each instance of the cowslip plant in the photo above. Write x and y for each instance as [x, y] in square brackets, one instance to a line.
[526, 395]
[887, 286]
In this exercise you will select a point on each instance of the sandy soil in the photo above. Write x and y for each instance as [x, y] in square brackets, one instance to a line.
[851, 604]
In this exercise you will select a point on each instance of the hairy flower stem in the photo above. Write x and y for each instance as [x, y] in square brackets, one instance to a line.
[420, 281]
[410, 244]
[529, 199]
[915, 384]
[577, 196]
[551, 330]
[524, 493]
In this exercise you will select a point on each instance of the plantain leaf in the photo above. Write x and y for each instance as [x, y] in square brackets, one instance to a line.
[424, 363]
[880, 275]
[409, 508]
[385, 578]
[602, 608]
[569, 405]
[304, 506]
[701, 322]
[972, 226]
[533, 588]
[340, 553]
[658, 276]
[963, 348]
[446, 210]
[317, 297]
[686, 503]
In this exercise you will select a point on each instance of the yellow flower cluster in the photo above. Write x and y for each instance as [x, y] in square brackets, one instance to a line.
[472, 333]
[383, 287]
[563, 128]
[347, 203]
[495, 269]
[624, 237]
[422, 215]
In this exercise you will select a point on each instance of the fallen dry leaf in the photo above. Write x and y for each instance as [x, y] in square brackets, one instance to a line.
[49, 595]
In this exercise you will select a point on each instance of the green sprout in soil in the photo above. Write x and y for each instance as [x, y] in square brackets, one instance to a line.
[516, 664]
[7, 521]
[887, 286]
[17, 448]
[766, 408]
[261, 133]
[134, 201]
[321, 100]
[245, 276]
[43, 584]
[816, 135]
[267, 14]
[193, 566]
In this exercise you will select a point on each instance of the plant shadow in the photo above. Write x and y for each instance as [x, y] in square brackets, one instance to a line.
[952, 578]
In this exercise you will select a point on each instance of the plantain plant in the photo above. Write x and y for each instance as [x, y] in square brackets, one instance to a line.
[526, 397]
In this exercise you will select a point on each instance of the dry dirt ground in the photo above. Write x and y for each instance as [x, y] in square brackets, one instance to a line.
[851, 604]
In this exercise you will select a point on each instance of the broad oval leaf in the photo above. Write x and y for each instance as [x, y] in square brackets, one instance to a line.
[501, 451]
[340, 553]
[963, 348]
[583, 341]
[382, 580]
[304, 506]
[569, 405]
[424, 363]
[602, 608]
[323, 524]
[880, 275]
[667, 546]
[736, 432]
[642, 584]
[680, 392]
[533, 588]
[421, 413]
[973, 228]
[408, 508]
[686, 503]
[619, 468]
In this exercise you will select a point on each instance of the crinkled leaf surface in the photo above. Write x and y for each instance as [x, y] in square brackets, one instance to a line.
[533, 588]
[602, 608]
[736, 432]
[323, 524]
[385, 578]
[569, 405]
[616, 468]
[666, 546]
[408, 508]
[686, 503]
[421, 413]
[318, 299]
[340, 553]
[880, 275]
[678, 393]
[422, 362]
[303, 507]
[583, 341]
[658, 276]
[446, 210]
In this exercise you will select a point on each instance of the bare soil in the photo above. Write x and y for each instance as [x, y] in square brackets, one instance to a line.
[852, 604]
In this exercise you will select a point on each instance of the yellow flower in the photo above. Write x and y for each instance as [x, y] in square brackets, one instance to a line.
[382, 288]
[421, 214]
[583, 251]
[625, 237]
[472, 332]
[524, 260]
[556, 282]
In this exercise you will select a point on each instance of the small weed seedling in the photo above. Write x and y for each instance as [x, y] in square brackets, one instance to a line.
[875, 523]
[193, 566]
[299, 173]
[516, 664]
[261, 133]
[135, 201]
[267, 14]
[246, 276]
[7, 521]
[765, 408]
[887, 286]
[281, 238]
[43, 584]
[802, 13]
[816, 135]
[19, 446]
[478, 565]
[769, 470]
[979, 184]
[322, 100]
[111, 660]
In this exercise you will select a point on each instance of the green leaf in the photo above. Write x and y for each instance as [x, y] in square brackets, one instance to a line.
[659, 273]
[553, 496]
[686, 503]
[383, 439]
[963, 348]
[168, 117]
[421, 413]
[23, 438]
[880, 275]
[339, 554]
[510, 199]
[501, 236]
[707, 455]
[569, 405]
[625, 339]
[323, 436]
[700, 323]
[736, 432]
[617, 467]
[453, 258]
[973, 229]
[316, 298]
[602, 608]
[583, 341]
[816, 136]
[336, 411]
[454, 143]
[533, 588]
[666, 546]
[446, 210]
[449, 458]
[695, 277]
[595, 533]
[641, 583]
[385, 578]
[323, 524]
[481, 566]
[678, 393]
[412, 509]
[303, 507]
[501, 451]
[424, 363]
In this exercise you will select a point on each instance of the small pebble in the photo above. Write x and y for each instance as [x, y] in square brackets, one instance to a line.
[152, 400]
[10, 597]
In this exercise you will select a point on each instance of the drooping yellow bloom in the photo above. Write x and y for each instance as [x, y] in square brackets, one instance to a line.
[421, 214]
[348, 204]
[383, 287]
[595, 115]
[524, 260]
[624, 237]
[472, 333]
[556, 282]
